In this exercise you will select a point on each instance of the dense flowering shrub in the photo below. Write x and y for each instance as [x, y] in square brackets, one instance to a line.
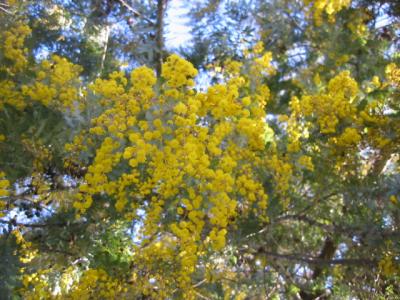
[188, 168]
[186, 160]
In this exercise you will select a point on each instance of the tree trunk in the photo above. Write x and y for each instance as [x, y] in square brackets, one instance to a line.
[161, 5]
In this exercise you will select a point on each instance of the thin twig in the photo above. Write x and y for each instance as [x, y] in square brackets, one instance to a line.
[286, 216]
[201, 296]
[199, 283]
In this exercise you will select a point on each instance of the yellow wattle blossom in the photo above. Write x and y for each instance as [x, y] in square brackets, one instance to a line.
[306, 162]
[11, 95]
[180, 108]
[393, 74]
[27, 252]
[394, 199]
[387, 267]
[89, 284]
[95, 283]
[143, 80]
[178, 72]
[57, 84]
[358, 25]
[170, 159]
[4, 191]
[282, 171]
[331, 106]
[4, 184]
[349, 137]
[13, 47]
[344, 125]
[328, 7]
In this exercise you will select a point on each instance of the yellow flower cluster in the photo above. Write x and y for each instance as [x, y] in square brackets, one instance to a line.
[336, 104]
[349, 137]
[387, 266]
[149, 278]
[12, 45]
[90, 284]
[11, 95]
[357, 25]
[393, 74]
[95, 283]
[282, 172]
[143, 80]
[4, 185]
[96, 179]
[14, 62]
[260, 66]
[346, 124]
[184, 153]
[110, 89]
[27, 252]
[330, 7]
[178, 72]
[57, 84]
[306, 162]
[36, 286]
[393, 199]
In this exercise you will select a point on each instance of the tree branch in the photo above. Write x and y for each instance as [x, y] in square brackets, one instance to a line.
[320, 261]
[36, 225]
[5, 10]
[135, 12]
[104, 54]
[160, 35]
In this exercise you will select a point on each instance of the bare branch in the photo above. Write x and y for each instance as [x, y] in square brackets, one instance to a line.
[135, 12]
[199, 283]
[160, 35]
[320, 261]
[104, 54]
[5, 10]
[37, 225]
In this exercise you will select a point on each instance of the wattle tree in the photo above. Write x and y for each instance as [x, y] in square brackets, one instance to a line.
[278, 178]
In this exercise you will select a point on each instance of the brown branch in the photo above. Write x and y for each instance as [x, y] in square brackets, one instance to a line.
[380, 161]
[160, 35]
[320, 261]
[349, 231]
[327, 253]
[5, 10]
[36, 225]
[53, 250]
[199, 283]
[135, 12]
[312, 222]
[278, 219]
[317, 200]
